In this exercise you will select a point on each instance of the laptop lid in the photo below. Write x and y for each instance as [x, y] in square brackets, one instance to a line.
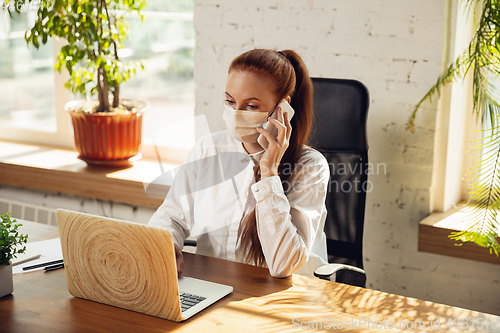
[124, 264]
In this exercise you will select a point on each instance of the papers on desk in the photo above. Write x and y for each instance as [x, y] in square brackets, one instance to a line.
[49, 250]
[26, 256]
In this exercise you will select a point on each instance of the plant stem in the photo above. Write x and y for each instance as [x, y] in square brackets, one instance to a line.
[105, 90]
[102, 84]
[116, 91]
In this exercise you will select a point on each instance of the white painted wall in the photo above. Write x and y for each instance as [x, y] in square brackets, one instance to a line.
[395, 48]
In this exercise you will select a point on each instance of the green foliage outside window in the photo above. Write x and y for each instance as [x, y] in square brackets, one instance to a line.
[95, 31]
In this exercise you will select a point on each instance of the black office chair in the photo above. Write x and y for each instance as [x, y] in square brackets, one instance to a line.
[340, 109]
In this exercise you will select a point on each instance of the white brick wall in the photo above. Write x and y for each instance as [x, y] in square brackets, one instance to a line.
[138, 214]
[395, 48]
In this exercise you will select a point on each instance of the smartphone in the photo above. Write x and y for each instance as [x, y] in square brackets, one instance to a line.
[270, 127]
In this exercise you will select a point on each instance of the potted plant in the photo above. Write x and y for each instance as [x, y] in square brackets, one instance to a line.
[10, 240]
[107, 130]
[482, 60]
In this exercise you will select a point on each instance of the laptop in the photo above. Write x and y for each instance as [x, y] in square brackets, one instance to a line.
[131, 266]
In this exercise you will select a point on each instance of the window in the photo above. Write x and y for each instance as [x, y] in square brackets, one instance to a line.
[27, 82]
[164, 41]
[33, 94]
[457, 133]
[455, 127]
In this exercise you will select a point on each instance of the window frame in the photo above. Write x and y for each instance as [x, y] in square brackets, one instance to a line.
[457, 129]
[63, 136]
[457, 133]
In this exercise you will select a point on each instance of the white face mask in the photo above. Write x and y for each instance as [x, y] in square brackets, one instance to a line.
[243, 124]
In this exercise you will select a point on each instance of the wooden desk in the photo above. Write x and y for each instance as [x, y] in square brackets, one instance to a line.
[37, 231]
[259, 303]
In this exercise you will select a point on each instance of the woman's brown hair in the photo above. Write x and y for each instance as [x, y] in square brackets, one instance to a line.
[290, 77]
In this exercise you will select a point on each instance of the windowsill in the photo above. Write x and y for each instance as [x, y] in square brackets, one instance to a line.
[433, 235]
[59, 170]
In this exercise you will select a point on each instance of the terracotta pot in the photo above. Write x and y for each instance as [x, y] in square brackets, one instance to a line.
[6, 281]
[106, 136]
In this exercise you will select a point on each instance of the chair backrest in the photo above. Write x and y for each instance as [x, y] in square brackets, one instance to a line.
[340, 110]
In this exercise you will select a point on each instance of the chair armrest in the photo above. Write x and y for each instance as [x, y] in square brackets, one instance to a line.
[346, 274]
[190, 242]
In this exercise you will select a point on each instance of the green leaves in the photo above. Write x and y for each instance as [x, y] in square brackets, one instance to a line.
[487, 241]
[481, 59]
[483, 226]
[10, 239]
[94, 33]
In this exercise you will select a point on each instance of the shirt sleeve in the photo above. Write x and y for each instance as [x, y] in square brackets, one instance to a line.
[176, 212]
[288, 224]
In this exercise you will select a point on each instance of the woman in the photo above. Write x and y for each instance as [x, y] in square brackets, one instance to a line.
[268, 209]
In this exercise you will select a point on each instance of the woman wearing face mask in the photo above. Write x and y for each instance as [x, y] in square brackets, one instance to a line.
[249, 204]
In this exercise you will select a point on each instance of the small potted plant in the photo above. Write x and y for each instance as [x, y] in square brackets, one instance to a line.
[10, 242]
[107, 130]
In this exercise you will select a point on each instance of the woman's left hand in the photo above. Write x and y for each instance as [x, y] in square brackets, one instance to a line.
[271, 159]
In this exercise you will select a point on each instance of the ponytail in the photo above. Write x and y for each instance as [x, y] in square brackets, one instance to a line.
[302, 103]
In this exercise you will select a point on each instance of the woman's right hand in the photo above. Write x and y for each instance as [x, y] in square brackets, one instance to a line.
[179, 258]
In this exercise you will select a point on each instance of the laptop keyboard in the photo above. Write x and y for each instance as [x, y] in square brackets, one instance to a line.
[189, 300]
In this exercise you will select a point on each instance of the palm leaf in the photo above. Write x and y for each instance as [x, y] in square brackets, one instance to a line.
[484, 191]
[482, 60]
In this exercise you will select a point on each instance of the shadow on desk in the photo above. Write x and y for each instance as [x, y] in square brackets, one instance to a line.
[259, 303]
[322, 303]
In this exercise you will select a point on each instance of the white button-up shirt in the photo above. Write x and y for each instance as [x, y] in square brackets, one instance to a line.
[215, 187]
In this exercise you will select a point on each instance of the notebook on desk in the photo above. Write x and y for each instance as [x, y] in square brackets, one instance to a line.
[131, 266]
